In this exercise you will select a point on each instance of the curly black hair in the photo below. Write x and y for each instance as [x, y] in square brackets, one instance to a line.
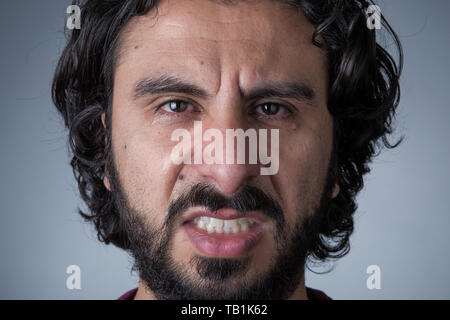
[364, 93]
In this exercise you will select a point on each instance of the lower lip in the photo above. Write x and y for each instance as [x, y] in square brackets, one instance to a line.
[224, 245]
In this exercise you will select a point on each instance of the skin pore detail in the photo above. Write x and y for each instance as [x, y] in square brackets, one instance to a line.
[228, 57]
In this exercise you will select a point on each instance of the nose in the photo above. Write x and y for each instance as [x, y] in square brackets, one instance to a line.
[231, 173]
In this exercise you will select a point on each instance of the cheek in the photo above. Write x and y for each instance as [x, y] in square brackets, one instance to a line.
[303, 167]
[142, 157]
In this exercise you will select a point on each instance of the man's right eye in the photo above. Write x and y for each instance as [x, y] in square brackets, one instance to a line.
[175, 106]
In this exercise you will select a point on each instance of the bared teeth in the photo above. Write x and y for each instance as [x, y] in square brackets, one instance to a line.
[214, 225]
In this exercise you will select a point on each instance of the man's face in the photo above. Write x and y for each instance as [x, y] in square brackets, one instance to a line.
[228, 51]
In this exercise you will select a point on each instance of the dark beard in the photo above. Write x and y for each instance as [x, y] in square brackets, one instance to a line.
[220, 278]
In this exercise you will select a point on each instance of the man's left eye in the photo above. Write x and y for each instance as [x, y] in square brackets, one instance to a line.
[272, 109]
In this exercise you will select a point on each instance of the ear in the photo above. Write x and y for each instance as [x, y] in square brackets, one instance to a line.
[106, 177]
[336, 190]
[103, 116]
[106, 180]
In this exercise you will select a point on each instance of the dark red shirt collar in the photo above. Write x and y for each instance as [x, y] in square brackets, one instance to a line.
[313, 294]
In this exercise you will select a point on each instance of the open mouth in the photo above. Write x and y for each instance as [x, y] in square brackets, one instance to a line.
[225, 233]
[220, 226]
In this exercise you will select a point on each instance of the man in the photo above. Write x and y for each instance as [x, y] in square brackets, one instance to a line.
[310, 72]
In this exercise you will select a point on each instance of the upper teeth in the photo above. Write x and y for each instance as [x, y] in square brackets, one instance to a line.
[223, 226]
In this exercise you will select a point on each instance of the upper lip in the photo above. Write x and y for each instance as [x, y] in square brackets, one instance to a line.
[224, 214]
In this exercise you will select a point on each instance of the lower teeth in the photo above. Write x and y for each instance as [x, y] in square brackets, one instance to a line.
[213, 225]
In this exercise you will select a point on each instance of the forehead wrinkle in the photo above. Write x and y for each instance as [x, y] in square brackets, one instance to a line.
[134, 33]
[173, 22]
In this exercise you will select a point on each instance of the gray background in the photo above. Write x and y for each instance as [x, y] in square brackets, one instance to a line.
[402, 224]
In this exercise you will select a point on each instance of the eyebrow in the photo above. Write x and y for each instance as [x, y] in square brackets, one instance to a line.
[168, 84]
[287, 90]
[271, 89]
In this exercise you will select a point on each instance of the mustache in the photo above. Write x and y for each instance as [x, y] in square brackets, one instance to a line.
[247, 198]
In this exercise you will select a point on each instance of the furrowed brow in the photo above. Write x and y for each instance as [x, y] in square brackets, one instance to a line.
[168, 84]
[274, 89]
[289, 90]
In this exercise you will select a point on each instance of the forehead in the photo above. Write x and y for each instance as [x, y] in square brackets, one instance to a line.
[257, 39]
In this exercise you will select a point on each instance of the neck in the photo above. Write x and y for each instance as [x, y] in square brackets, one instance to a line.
[143, 293]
